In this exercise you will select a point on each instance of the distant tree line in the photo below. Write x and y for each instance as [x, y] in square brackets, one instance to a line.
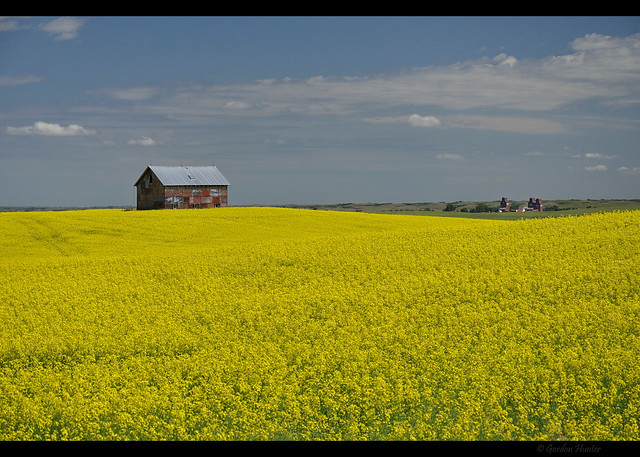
[484, 208]
[479, 208]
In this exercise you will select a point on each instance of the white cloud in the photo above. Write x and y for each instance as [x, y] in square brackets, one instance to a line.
[629, 171]
[9, 24]
[622, 102]
[590, 155]
[505, 124]
[594, 41]
[496, 123]
[596, 168]
[424, 121]
[316, 80]
[594, 72]
[385, 120]
[449, 156]
[44, 128]
[414, 119]
[64, 28]
[18, 80]
[132, 93]
[504, 59]
[533, 86]
[144, 141]
[237, 105]
[601, 59]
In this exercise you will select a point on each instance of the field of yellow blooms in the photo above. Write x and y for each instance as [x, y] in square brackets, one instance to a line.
[291, 324]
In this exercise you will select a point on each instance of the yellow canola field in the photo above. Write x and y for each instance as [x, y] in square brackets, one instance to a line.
[267, 323]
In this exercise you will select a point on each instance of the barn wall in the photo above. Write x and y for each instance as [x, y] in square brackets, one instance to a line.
[150, 192]
[195, 197]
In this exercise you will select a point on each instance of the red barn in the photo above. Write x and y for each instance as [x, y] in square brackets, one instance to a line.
[181, 187]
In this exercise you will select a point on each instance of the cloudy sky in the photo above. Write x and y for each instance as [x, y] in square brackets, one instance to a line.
[312, 110]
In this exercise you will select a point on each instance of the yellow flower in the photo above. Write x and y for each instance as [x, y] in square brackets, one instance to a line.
[270, 323]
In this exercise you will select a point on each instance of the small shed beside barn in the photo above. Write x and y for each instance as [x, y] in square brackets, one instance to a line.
[161, 187]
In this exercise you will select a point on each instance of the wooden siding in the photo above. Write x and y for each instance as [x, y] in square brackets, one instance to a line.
[150, 192]
[195, 197]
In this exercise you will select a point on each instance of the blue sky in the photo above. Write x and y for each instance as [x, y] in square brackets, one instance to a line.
[318, 110]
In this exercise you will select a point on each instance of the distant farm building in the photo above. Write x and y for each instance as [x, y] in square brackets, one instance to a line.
[181, 187]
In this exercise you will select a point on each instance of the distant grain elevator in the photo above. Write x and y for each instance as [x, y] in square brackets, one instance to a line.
[181, 187]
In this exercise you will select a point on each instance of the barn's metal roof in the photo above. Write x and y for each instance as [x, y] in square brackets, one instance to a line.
[188, 176]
